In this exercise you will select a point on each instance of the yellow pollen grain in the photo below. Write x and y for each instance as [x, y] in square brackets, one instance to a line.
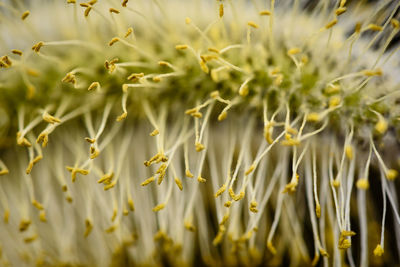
[25, 15]
[199, 147]
[4, 172]
[376, 72]
[331, 23]
[313, 117]
[109, 186]
[220, 191]
[24, 225]
[50, 119]
[214, 50]
[334, 101]
[378, 251]
[90, 140]
[201, 179]
[244, 90]
[253, 24]
[122, 116]
[37, 46]
[16, 52]
[189, 226]
[265, 13]
[113, 10]
[336, 183]
[188, 174]
[131, 204]
[374, 27]
[148, 181]
[155, 132]
[159, 207]
[228, 203]
[391, 174]
[84, 4]
[37, 205]
[381, 126]
[222, 116]
[362, 184]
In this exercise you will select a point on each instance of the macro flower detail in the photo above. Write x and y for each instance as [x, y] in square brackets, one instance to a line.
[214, 132]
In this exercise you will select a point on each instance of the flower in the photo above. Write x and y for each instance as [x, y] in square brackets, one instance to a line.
[268, 133]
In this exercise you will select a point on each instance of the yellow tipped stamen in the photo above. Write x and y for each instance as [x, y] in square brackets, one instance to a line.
[131, 204]
[313, 117]
[189, 226]
[188, 174]
[250, 169]
[89, 227]
[71, 1]
[106, 178]
[24, 225]
[134, 77]
[253, 24]
[340, 11]
[93, 86]
[331, 23]
[334, 101]
[122, 116]
[87, 11]
[265, 13]
[159, 207]
[37, 205]
[178, 183]
[188, 20]
[148, 181]
[293, 51]
[391, 174]
[378, 251]
[221, 10]
[374, 27]
[201, 179]
[124, 2]
[199, 147]
[349, 152]
[228, 203]
[30, 239]
[370, 73]
[220, 191]
[395, 23]
[43, 138]
[155, 132]
[271, 248]
[113, 41]
[110, 229]
[74, 171]
[362, 184]
[181, 47]
[49, 118]
[109, 186]
[113, 10]
[42, 216]
[37, 46]
[16, 52]
[90, 140]
[128, 32]
[219, 236]
[214, 50]
[253, 207]
[381, 126]
[25, 15]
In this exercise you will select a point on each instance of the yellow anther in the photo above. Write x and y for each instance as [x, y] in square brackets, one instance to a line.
[16, 52]
[265, 13]
[37, 205]
[148, 181]
[89, 227]
[253, 206]
[323, 252]
[221, 10]
[253, 24]
[219, 236]
[188, 174]
[134, 77]
[93, 86]
[201, 179]
[128, 32]
[92, 2]
[271, 248]
[225, 218]
[220, 191]
[376, 72]
[90, 140]
[37, 47]
[334, 101]
[374, 27]
[331, 23]
[204, 66]
[124, 2]
[159, 207]
[236, 197]
[214, 50]
[191, 111]
[208, 57]
[290, 187]
[69, 199]
[109, 186]
[33, 162]
[64, 188]
[6, 61]
[25, 15]
[113, 41]
[313, 117]
[357, 28]
[198, 115]
[157, 79]
[391, 174]
[318, 210]
[362, 184]
[71, 1]
[340, 11]
[250, 169]
[349, 152]
[178, 183]
[125, 212]
[181, 47]
[293, 51]
[304, 59]
[342, 3]
[114, 215]
[188, 20]
[42, 216]
[199, 147]
[113, 10]
[332, 89]
[222, 116]
[4, 172]
[50, 119]
[24, 225]
[6, 216]
[290, 142]
[278, 80]
[155, 132]
[244, 90]
[110, 229]
[378, 251]
[31, 238]
[74, 171]
[189, 226]
[336, 183]
[131, 204]
[381, 126]
[87, 11]
[106, 178]
[122, 116]
[214, 94]
[395, 23]
[344, 243]
[228, 203]
[43, 138]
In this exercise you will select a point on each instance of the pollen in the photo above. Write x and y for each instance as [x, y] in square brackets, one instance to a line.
[378, 251]
[25, 15]
[391, 174]
[362, 184]
[253, 24]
